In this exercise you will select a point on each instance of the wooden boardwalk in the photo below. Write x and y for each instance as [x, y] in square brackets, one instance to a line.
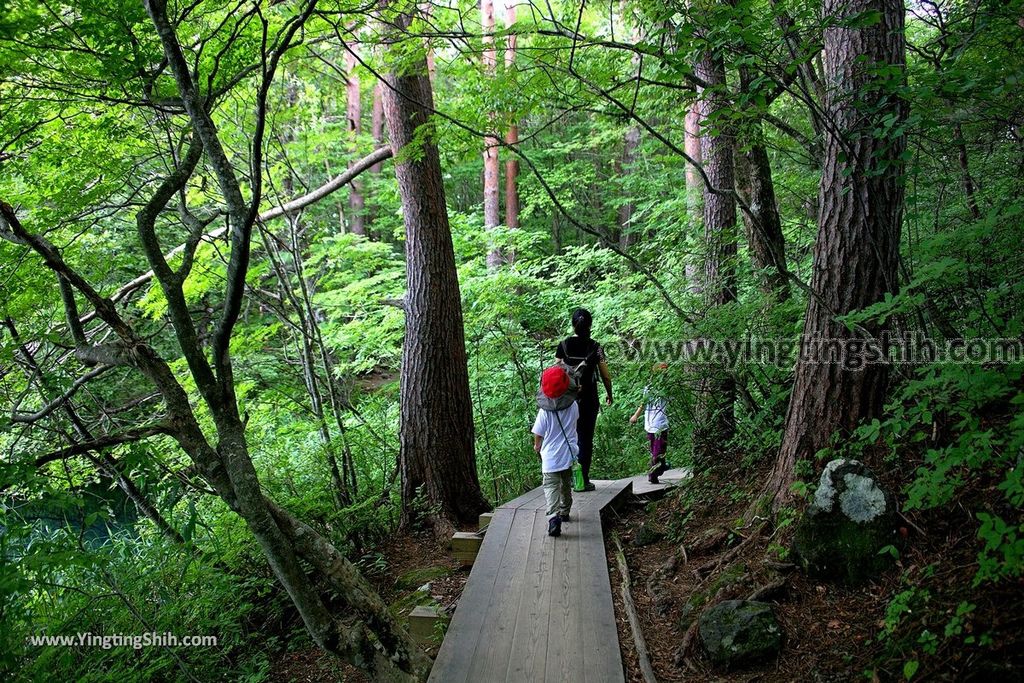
[537, 608]
[673, 477]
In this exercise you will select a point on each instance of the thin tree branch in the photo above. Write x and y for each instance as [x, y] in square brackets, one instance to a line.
[103, 442]
[57, 402]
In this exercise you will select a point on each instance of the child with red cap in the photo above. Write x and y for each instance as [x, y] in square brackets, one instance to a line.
[555, 441]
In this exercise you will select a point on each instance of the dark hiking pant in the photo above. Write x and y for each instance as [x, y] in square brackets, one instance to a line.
[588, 405]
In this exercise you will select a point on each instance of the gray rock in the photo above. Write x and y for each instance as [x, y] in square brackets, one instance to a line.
[851, 519]
[737, 633]
[646, 535]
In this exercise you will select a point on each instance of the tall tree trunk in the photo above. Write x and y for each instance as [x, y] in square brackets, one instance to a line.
[377, 132]
[764, 228]
[492, 170]
[356, 202]
[377, 121]
[856, 251]
[966, 179]
[436, 453]
[630, 144]
[624, 167]
[511, 137]
[717, 390]
[694, 187]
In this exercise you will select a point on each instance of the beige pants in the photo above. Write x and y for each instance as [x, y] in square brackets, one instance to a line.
[558, 491]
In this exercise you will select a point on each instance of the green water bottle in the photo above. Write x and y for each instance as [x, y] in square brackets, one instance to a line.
[577, 475]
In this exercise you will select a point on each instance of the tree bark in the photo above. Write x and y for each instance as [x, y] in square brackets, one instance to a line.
[356, 202]
[764, 227]
[630, 144]
[511, 137]
[436, 454]
[717, 389]
[856, 251]
[694, 188]
[492, 169]
[377, 122]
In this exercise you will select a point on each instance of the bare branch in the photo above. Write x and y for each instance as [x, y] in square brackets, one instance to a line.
[103, 442]
[286, 209]
[57, 402]
[12, 230]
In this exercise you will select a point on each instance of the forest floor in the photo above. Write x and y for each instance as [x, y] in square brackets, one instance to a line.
[825, 626]
[831, 632]
[397, 569]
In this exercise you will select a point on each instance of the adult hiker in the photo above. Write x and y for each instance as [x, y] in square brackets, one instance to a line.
[574, 351]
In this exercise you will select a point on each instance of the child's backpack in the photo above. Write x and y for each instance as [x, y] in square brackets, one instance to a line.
[545, 402]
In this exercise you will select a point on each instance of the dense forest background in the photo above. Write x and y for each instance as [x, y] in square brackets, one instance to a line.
[246, 243]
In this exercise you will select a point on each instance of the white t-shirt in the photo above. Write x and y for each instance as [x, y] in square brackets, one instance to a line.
[559, 442]
[655, 412]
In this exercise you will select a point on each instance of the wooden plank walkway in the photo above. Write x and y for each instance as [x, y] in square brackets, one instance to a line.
[673, 477]
[537, 608]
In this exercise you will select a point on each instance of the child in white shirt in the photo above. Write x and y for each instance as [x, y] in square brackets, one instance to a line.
[655, 410]
[556, 444]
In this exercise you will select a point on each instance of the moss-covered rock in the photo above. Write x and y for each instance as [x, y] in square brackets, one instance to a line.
[737, 633]
[732, 576]
[418, 577]
[646, 534]
[851, 519]
[406, 602]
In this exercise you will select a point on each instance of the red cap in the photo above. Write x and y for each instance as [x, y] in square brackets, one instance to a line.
[554, 382]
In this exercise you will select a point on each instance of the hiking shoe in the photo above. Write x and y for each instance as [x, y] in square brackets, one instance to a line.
[555, 526]
[656, 470]
[589, 486]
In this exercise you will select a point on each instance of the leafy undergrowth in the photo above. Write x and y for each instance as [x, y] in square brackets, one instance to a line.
[398, 569]
[924, 619]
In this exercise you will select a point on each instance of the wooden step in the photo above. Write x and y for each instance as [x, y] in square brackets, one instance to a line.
[423, 622]
[484, 520]
[465, 545]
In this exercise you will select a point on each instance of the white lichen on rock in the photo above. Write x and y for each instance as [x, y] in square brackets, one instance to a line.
[862, 501]
[825, 496]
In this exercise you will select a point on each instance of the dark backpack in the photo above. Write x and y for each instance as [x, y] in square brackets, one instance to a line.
[582, 368]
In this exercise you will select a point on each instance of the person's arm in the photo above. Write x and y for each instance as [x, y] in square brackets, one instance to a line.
[636, 415]
[606, 378]
[537, 430]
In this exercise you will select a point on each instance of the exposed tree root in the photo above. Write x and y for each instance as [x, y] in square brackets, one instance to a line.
[768, 590]
[634, 620]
